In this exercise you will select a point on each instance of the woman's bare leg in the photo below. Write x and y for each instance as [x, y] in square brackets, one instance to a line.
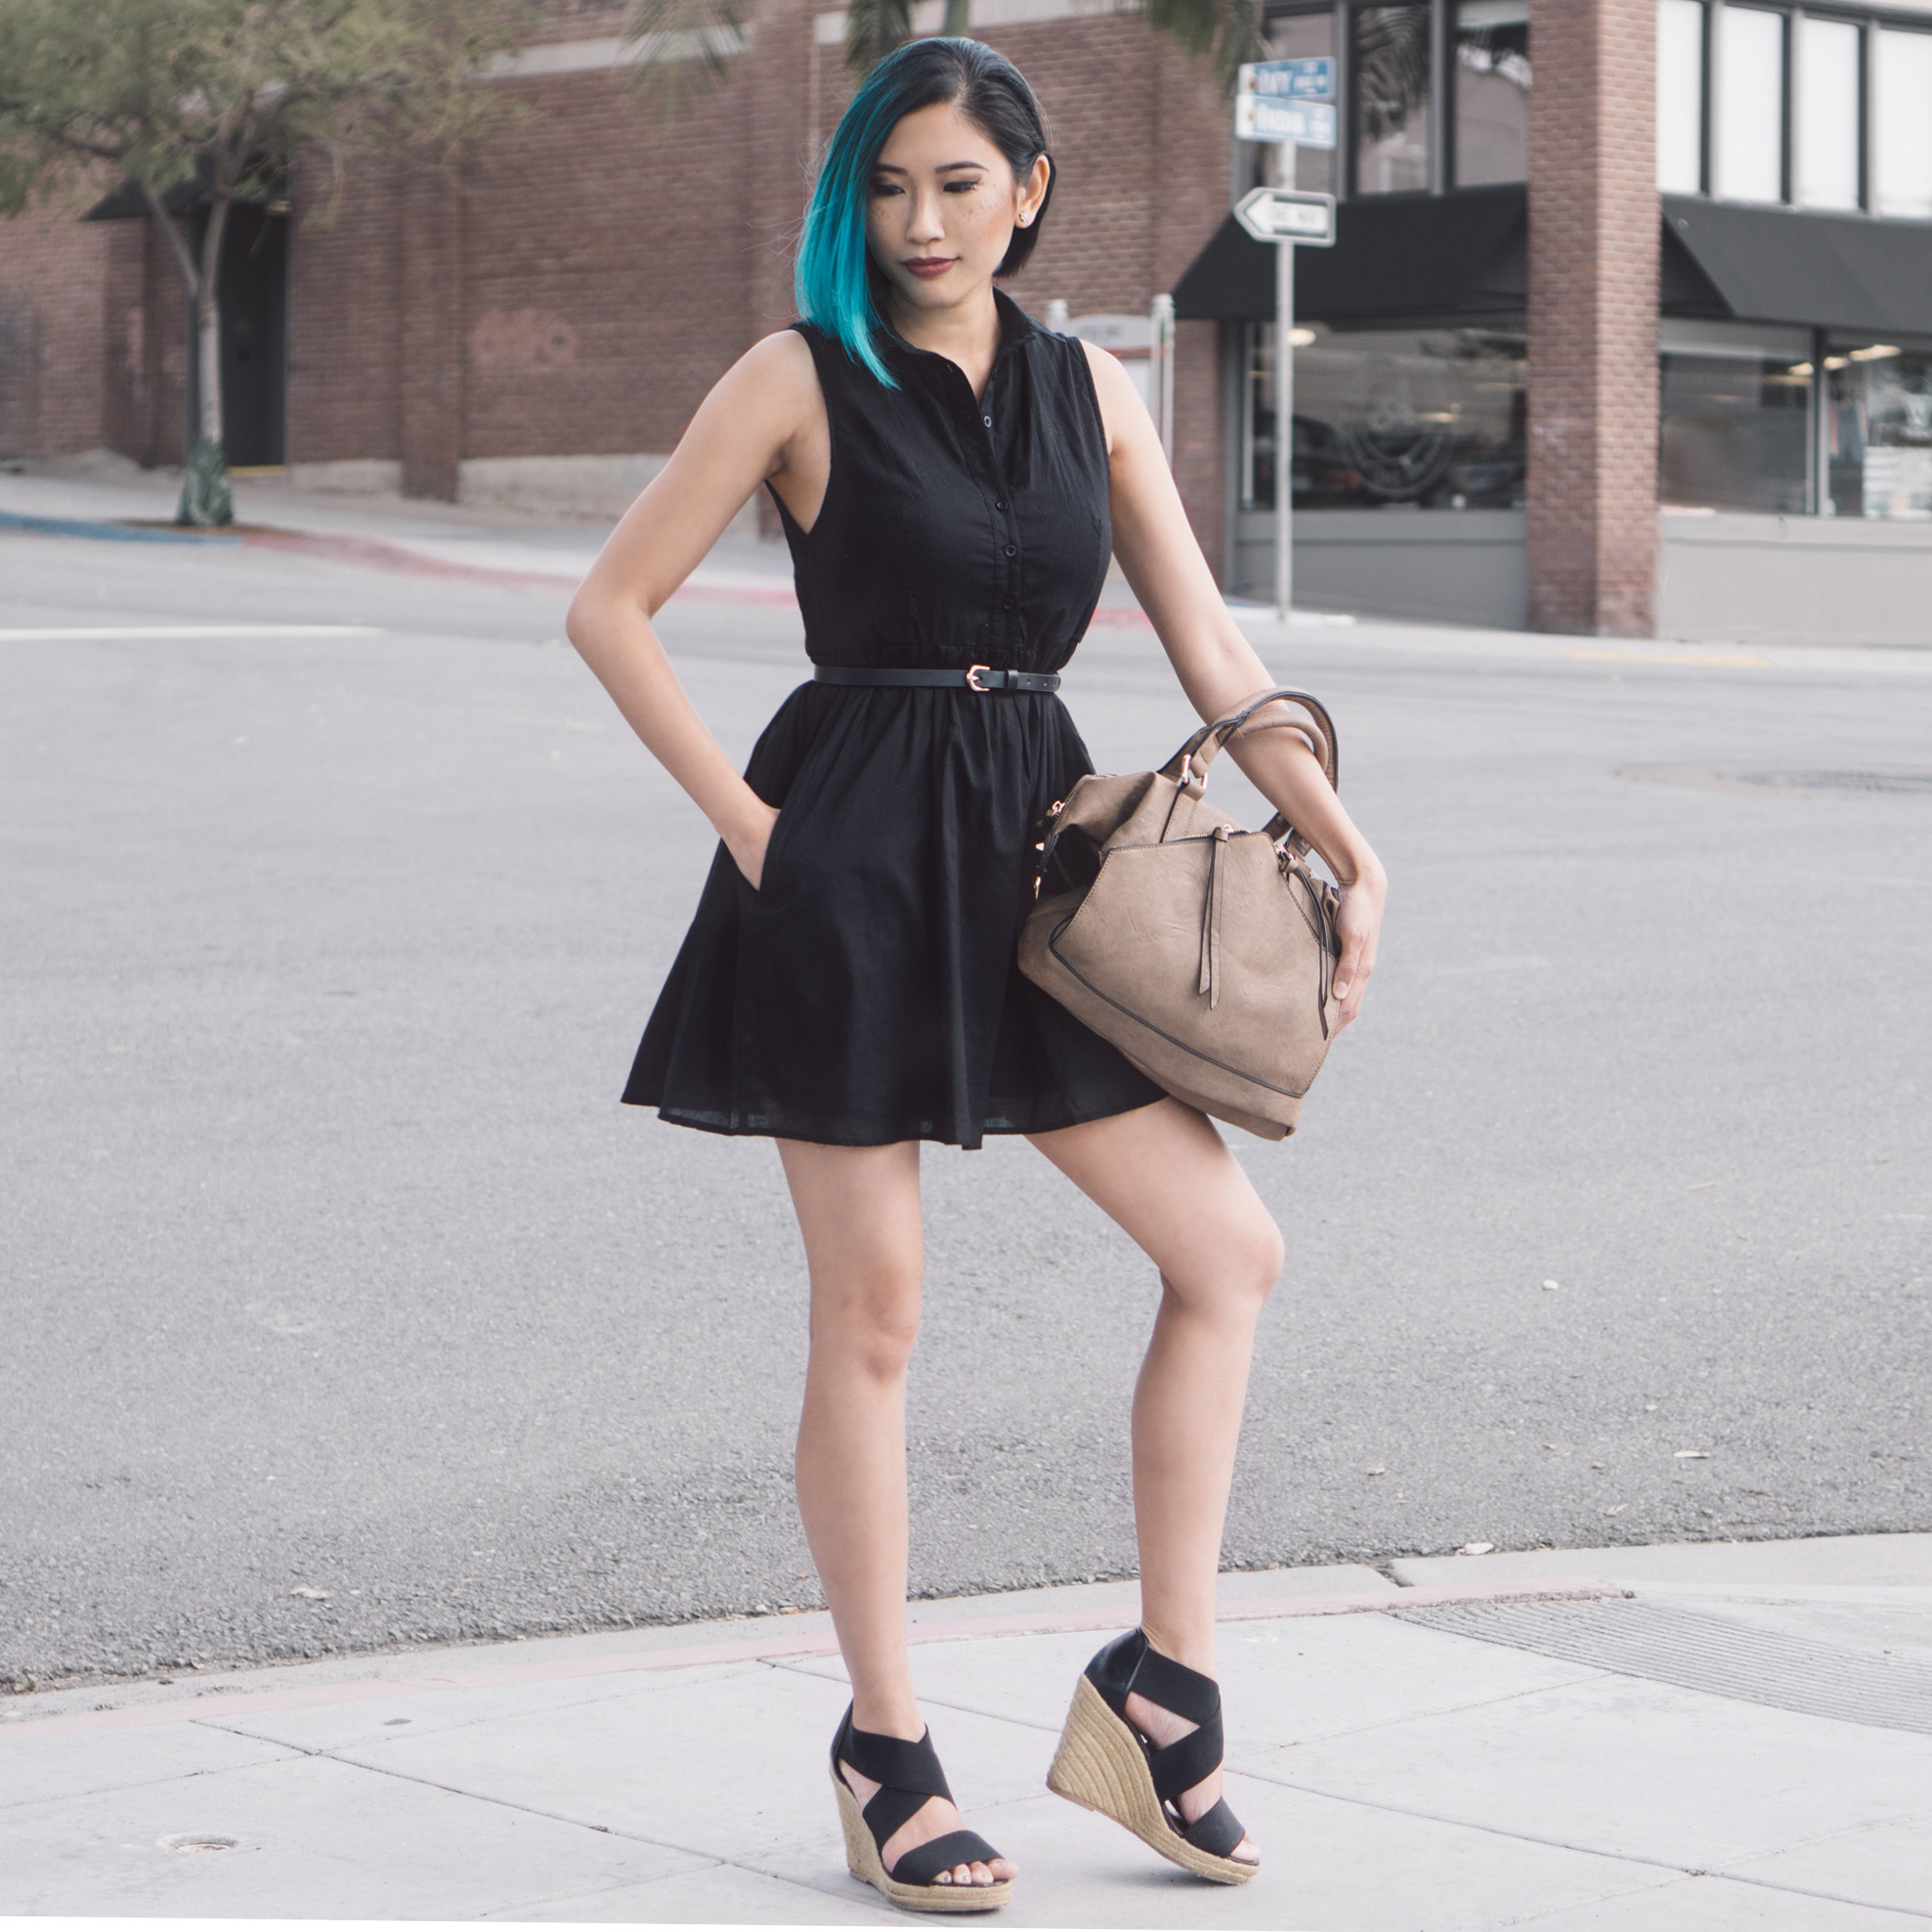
[859, 1211]
[1162, 1173]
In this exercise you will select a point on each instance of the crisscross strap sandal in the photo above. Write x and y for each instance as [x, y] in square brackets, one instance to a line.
[1108, 1766]
[907, 1775]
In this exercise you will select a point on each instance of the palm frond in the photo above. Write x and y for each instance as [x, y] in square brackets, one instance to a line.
[872, 28]
[1228, 33]
[1392, 66]
[683, 48]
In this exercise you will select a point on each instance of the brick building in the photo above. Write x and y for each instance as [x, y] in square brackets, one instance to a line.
[1628, 328]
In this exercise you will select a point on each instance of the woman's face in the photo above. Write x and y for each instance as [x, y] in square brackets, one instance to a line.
[943, 207]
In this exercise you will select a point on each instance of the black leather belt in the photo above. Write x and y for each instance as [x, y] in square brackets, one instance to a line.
[975, 678]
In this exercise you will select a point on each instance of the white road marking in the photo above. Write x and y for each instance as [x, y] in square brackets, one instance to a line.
[54, 633]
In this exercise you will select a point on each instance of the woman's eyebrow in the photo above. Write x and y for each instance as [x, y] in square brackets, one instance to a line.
[944, 168]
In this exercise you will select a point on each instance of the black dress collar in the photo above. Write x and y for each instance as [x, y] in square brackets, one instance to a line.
[1017, 329]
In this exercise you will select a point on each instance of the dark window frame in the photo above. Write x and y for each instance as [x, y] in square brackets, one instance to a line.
[1441, 89]
[1869, 21]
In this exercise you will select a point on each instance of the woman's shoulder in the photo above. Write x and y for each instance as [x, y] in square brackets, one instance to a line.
[779, 371]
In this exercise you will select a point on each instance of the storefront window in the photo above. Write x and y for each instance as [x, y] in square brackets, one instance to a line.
[1748, 164]
[1681, 96]
[1296, 37]
[1430, 418]
[1734, 429]
[1492, 91]
[1902, 138]
[1255, 486]
[1878, 430]
[1827, 161]
[1392, 99]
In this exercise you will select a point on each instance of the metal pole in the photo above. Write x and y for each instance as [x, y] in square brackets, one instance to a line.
[1284, 427]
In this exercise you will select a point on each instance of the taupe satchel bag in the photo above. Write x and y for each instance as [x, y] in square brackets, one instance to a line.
[1204, 952]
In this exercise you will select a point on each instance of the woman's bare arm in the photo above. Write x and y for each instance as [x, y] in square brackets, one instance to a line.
[1217, 666]
[764, 419]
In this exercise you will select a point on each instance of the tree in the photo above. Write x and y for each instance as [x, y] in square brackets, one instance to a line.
[221, 95]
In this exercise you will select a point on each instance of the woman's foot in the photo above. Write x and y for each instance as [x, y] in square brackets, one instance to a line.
[934, 1819]
[1143, 1745]
[1162, 1728]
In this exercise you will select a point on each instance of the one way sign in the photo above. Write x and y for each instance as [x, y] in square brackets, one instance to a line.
[1285, 214]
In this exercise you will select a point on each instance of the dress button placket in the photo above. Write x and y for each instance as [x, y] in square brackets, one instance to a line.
[1008, 603]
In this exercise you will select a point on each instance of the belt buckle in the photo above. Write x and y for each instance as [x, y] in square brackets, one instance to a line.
[972, 679]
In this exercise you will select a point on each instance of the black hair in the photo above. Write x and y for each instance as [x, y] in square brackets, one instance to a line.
[838, 284]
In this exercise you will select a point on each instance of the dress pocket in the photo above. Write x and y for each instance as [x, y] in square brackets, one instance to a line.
[778, 828]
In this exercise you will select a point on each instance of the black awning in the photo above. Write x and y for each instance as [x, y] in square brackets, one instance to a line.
[1395, 257]
[1784, 264]
[128, 203]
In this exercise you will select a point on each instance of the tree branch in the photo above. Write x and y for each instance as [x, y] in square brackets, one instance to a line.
[183, 259]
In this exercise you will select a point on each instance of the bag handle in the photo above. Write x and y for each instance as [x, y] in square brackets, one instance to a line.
[1189, 767]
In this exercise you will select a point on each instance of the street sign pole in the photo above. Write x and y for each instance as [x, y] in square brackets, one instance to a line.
[1291, 105]
[1284, 426]
[1286, 218]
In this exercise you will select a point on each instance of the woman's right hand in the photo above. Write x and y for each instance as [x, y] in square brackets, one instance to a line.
[749, 840]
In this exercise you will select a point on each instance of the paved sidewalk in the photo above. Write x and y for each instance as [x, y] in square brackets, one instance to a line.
[108, 500]
[1679, 1738]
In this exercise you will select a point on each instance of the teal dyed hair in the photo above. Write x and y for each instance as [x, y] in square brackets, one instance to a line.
[836, 277]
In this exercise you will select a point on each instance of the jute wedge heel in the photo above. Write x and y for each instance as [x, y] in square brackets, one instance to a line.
[907, 1776]
[1107, 1766]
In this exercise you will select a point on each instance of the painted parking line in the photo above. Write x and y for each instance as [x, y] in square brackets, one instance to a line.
[54, 634]
[1719, 660]
[111, 533]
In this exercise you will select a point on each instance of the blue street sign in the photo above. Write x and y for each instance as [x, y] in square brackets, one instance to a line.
[1302, 124]
[1312, 79]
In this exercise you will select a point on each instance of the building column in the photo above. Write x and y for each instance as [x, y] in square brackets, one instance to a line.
[1594, 240]
[430, 381]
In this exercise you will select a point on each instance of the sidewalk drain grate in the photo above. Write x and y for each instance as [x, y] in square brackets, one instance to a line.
[1838, 781]
[1803, 778]
[1696, 1650]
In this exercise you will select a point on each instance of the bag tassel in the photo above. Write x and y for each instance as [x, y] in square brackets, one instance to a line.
[1210, 980]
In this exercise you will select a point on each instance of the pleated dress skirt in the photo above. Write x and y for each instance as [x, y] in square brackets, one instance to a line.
[866, 991]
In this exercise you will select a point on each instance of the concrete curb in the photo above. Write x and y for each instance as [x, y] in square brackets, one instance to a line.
[668, 1654]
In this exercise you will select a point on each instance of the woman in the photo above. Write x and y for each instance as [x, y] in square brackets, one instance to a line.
[951, 480]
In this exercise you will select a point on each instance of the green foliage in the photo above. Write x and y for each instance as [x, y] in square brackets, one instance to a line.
[684, 49]
[872, 28]
[164, 91]
[1225, 32]
[1391, 61]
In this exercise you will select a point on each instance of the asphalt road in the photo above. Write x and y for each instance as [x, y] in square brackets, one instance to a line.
[345, 1308]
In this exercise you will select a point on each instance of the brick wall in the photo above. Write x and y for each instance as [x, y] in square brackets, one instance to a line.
[344, 317]
[581, 280]
[52, 322]
[1593, 293]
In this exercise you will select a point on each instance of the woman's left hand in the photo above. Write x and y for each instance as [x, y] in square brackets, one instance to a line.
[1357, 927]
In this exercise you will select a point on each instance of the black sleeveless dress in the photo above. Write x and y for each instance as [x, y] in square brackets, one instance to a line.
[867, 991]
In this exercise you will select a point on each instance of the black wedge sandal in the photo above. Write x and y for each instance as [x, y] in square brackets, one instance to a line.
[1106, 1765]
[907, 1776]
